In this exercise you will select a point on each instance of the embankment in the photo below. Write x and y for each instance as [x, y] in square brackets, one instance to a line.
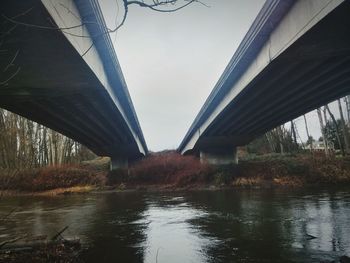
[171, 171]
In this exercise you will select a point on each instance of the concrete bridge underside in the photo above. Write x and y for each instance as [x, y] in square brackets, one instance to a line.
[57, 87]
[310, 72]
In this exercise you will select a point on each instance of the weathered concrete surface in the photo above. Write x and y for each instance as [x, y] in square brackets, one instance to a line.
[119, 162]
[219, 156]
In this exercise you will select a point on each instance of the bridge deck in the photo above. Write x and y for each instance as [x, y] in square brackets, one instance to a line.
[311, 72]
[56, 87]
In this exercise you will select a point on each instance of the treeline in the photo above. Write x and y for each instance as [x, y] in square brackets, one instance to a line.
[286, 138]
[26, 144]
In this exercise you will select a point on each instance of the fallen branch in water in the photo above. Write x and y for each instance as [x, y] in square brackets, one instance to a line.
[11, 240]
[59, 233]
[65, 250]
[10, 213]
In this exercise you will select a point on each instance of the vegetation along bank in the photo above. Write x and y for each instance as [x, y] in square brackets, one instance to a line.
[172, 171]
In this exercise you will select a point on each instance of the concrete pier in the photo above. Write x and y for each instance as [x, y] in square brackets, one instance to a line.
[119, 163]
[219, 156]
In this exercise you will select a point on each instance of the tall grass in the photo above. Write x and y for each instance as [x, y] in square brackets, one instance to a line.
[295, 170]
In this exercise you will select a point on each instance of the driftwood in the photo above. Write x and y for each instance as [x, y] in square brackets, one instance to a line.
[8, 215]
[54, 238]
[41, 249]
[10, 246]
[10, 241]
[63, 250]
[59, 233]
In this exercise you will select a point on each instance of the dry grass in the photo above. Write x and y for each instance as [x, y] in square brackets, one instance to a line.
[247, 181]
[69, 190]
[291, 181]
[52, 192]
[293, 171]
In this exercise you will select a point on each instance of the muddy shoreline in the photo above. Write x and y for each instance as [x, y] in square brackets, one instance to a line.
[161, 189]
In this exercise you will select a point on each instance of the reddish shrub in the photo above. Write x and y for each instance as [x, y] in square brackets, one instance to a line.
[52, 177]
[169, 168]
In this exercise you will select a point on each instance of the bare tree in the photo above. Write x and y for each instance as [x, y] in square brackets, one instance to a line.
[26, 144]
[344, 127]
[292, 127]
[337, 130]
[298, 136]
[319, 113]
[279, 130]
[347, 104]
[270, 142]
[307, 133]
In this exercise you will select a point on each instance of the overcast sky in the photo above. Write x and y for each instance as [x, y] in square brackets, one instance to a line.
[171, 62]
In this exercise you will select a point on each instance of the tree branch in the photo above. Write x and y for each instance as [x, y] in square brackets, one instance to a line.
[153, 6]
[162, 3]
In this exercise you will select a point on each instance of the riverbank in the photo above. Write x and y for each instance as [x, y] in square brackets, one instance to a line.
[301, 170]
[171, 171]
[292, 171]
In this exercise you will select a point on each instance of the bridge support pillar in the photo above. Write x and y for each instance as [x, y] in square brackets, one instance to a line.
[219, 156]
[119, 163]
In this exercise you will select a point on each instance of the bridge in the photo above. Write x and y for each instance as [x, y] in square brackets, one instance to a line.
[60, 70]
[294, 58]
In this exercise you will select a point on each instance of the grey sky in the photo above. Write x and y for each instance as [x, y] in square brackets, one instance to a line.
[171, 62]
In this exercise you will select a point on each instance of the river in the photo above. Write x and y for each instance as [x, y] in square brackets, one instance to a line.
[200, 226]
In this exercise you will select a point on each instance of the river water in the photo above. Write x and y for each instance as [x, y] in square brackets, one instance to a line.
[201, 226]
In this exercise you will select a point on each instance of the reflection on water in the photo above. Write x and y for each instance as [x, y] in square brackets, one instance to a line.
[170, 235]
[223, 226]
